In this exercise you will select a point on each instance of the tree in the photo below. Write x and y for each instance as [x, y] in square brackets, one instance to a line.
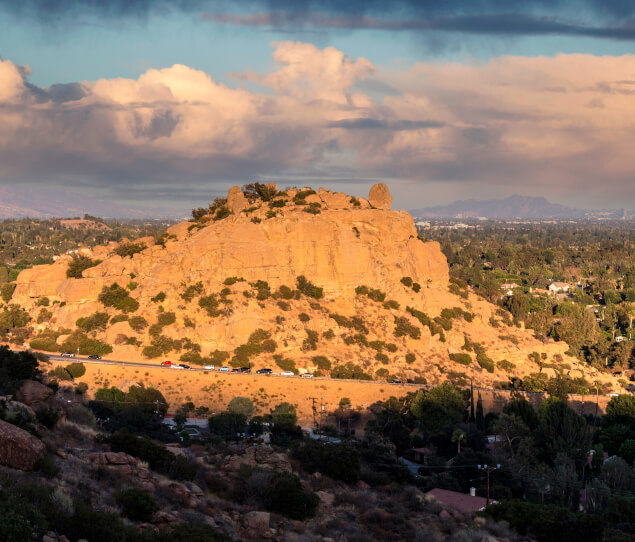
[440, 408]
[227, 424]
[523, 409]
[561, 430]
[284, 412]
[16, 367]
[513, 429]
[137, 504]
[241, 405]
[458, 436]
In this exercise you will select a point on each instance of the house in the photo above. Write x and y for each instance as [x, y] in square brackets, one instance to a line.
[508, 288]
[468, 503]
[558, 287]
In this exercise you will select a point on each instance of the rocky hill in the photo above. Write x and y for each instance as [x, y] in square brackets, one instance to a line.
[297, 279]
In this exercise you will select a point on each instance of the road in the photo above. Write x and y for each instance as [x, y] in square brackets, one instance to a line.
[64, 359]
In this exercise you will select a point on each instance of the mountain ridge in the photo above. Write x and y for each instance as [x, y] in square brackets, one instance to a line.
[512, 207]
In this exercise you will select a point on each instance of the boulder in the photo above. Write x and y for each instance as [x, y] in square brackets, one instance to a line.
[33, 393]
[326, 498]
[256, 524]
[19, 449]
[379, 197]
[236, 200]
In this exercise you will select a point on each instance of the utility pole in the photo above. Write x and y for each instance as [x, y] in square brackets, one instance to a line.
[488, 469]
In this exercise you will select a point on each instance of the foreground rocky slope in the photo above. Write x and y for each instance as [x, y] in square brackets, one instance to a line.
[302, 280]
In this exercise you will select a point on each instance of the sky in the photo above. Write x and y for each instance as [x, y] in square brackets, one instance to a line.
[170, 103]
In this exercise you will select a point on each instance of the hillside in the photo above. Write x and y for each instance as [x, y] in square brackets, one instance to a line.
[297, 280]
[519, 207]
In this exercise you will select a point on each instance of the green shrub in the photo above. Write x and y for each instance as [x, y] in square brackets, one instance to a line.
[278, 203]
[285, 292]
[48, 344]
[403, 327]
[310, 343]
[485, 362]
[152, 351]
[349, 371]
[338, 461]
[79, 264]
[416, 287]
[223, 212]
[76, 370]
[313, 208]
[309, 289]
[60, 373]
[137, 504]
[302, 195]
[256, 220]
[192, 291]
[382, 358]
[79, 341]
[43, 302]
[159, 298]
[463, 359]
[97, 320]
[166, 319]
[137, 323]
[285, 364]
[210, 304]
[44, 316]
[406, 281]
[391, 304]
[322, 362]
[506, 365]
[6, 291]
[284, 305]
[229, 281]
[119, 318]
[117, 297]
[129, 249]
[410, 358]
[355, 202]
[303, 317]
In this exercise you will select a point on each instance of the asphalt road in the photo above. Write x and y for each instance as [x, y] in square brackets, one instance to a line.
[65, 359]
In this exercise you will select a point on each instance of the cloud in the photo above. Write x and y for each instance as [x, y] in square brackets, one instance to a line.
[559, 126]
[493, 24]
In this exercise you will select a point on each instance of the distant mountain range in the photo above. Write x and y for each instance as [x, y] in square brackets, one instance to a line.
[513, 207]
[38, 202]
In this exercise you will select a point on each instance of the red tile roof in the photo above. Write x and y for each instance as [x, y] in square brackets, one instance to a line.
[461, 501]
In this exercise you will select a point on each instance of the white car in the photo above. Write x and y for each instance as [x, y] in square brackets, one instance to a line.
[209, 367]
[224, 369]
[287, 373]
[177, 367]
[67, 355]
[307, 375]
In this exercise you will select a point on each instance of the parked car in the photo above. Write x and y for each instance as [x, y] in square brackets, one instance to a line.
[183, 366]
[209, 367]
[176, 366]
[307, 375]
[287, 373]
[166, 364]
[224, 369]
[245, 370]
[67, 355]
[263, 372]
[94, 356]
[236, 370]
[396, 381]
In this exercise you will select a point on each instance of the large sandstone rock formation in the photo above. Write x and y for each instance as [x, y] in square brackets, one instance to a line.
[19, 449]
[384, 289]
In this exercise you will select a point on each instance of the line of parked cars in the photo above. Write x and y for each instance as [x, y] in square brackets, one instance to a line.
[225, 369]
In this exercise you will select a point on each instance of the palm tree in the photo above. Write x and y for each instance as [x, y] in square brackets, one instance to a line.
[458, 436]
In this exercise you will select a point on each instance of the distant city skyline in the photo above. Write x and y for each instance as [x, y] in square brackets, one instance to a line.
[171, 103]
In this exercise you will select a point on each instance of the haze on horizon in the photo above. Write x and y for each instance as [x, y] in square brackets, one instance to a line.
[170, 103]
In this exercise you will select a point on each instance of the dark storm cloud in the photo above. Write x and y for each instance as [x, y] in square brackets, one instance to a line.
[503, 24]
[609, 19]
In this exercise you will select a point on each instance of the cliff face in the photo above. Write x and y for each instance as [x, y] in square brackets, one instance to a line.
[336, 242]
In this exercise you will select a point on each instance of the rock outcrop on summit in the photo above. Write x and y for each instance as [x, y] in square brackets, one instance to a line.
[301, 279]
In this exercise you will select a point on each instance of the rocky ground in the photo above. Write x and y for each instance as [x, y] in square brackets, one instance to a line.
[81, 465]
